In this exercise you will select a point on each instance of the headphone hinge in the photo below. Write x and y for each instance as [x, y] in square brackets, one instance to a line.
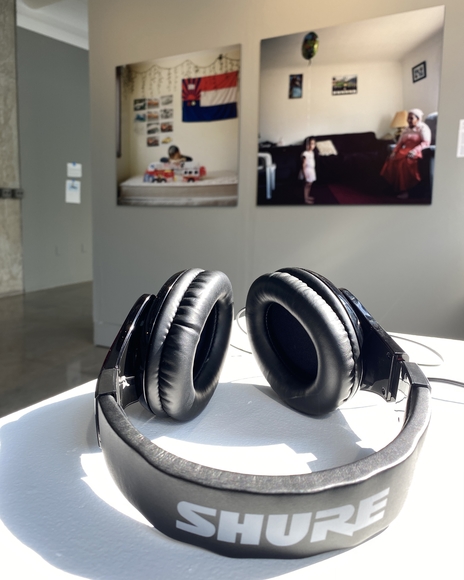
[382, 367]
[382, 357]
[107, 381]
[106, 385]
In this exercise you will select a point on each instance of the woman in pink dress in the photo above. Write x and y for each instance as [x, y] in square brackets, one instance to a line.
[401, 169]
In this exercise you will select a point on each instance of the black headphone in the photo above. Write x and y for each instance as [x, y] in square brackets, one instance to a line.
[316, 346]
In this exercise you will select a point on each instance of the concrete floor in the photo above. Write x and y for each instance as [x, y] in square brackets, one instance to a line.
[46, 345]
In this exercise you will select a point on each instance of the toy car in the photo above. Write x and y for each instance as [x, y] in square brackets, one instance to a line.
[159, 173]
[192, 172]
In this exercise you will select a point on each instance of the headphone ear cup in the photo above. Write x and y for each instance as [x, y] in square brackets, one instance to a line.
[305, 341]
[188, 344]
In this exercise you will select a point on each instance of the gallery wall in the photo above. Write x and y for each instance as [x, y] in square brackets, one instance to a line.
[54, 129]
[405, 263]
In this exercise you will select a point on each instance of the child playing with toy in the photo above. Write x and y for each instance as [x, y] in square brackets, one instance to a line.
[176, 157]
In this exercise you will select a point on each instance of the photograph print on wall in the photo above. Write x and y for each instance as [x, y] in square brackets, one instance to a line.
[341, 122]
[177, 130]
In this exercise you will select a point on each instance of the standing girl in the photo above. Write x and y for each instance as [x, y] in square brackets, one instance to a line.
[308, 158]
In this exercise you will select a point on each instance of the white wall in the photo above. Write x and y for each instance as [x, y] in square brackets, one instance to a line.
[423, 94]
[405, 263]
[379, 95]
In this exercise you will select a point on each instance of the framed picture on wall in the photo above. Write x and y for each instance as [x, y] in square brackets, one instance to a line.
[419, 72]
[295, 87]
[345, 85]
[335, 142]
[177, 130]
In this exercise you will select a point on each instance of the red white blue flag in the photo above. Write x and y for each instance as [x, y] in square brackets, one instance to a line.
[211, 98]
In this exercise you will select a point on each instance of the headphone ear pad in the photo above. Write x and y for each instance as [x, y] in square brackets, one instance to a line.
[188, 344]
[303, 340]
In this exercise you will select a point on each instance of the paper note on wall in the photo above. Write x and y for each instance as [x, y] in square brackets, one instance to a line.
[461, 139]
[73, 191]
[74, 169]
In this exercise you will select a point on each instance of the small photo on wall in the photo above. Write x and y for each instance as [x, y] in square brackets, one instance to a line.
[345, 85]
[152, 142]
[166, 127]
[153, 128]
[152, 103]
[140, 104]
[295, 87]
[140, 118]
[166, 113]
[139, 128]
[419, 72]
[166, 100]
[152, 116]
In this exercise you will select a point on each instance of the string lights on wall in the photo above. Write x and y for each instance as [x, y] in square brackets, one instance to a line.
[156, 76]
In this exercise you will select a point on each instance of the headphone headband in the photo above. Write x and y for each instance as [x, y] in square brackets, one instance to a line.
[261, 516]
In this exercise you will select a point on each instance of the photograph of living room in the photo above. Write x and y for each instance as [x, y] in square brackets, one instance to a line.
[362, 151]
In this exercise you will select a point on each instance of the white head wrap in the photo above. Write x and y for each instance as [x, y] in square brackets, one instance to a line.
[417, 112]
